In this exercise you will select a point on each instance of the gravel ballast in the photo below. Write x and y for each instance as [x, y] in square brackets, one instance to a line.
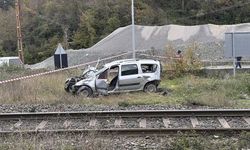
[5, 108]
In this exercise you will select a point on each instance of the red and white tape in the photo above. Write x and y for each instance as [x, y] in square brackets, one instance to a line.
[63, 69]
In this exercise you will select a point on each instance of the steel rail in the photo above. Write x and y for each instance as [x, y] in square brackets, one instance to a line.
[132, 113]
[129, 131]
[128, 113]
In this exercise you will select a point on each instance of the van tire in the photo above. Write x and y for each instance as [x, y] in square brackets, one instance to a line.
[150, 88]
[85, 91]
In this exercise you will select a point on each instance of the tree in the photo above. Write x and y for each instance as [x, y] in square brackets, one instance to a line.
[145, 14]
[113, 23]
[6, 4]
[8, 38]
[85, 35]
[85, 22]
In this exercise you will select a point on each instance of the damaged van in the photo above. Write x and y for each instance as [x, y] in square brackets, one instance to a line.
[121, 76]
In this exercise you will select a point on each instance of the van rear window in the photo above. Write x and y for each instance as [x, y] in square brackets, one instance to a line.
[148, 68]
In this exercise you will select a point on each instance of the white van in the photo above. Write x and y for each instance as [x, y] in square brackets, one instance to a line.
[15, 61]
[119, 76]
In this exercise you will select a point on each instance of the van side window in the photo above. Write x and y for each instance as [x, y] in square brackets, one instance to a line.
[129, 69]
[148, 68]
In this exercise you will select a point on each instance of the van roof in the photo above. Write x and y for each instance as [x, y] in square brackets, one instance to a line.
[7, 58]
[124, 61]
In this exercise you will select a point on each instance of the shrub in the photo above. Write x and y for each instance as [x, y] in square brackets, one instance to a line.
[123, 104]
[185, 142]
[188, 63]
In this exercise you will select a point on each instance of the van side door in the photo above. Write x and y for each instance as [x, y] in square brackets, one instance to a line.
[101, 82]
[129, 77]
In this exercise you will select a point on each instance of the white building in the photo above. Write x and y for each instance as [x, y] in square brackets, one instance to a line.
[10, 61]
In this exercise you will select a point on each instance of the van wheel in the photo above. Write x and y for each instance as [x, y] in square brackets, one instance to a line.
[150, 87]
[85, 91]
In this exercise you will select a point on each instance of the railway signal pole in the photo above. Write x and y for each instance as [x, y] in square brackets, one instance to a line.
[19, 33]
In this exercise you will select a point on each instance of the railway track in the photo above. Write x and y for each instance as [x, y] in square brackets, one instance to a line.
[127, 122]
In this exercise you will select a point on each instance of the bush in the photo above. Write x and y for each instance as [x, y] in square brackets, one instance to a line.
[188, 63]
[11, 68]
[123, 104]
[7, 72]
[185, 142]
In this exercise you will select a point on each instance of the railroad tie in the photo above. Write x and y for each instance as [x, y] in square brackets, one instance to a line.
[118, 122]
[143, 123]
[166, 122]
[223, 122]
[194, 121]
[67, 124]
[41, 125]
[16, 125]
[92, 122]
[247, 119]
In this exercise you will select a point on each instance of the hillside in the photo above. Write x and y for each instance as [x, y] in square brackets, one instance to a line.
[84, 23]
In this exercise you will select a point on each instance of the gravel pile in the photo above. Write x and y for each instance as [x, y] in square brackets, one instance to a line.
[209, 37]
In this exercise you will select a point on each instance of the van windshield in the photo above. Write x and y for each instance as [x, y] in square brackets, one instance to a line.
[101, 70]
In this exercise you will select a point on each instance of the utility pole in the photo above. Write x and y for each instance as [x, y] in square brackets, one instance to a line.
[66, 38]
[133, 28]
[19, 33]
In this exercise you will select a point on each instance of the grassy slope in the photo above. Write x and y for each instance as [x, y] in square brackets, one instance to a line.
[187, 90]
